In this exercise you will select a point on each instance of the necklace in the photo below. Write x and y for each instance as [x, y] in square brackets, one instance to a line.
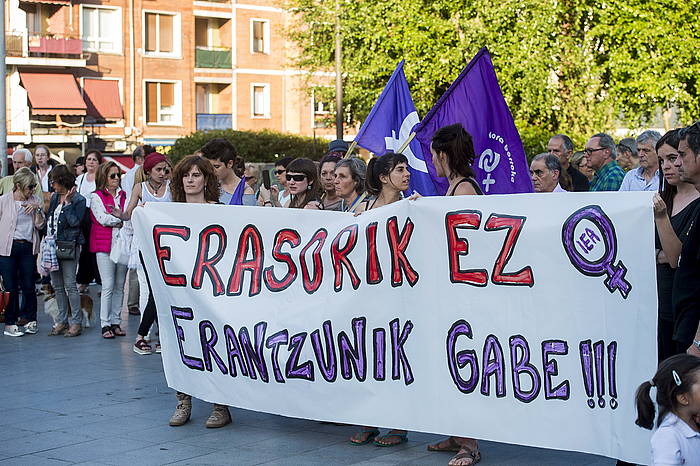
[155, 190]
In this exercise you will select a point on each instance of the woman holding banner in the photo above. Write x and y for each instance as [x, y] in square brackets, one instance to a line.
[387, 177]
[195, 182]
[675, 207]
[453, 156]
[349, 182]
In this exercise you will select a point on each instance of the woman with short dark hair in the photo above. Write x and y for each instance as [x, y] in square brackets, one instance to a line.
[64, 218]
[326, 171]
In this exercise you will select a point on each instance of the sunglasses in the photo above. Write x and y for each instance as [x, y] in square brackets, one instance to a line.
[279, 172]
[114, 176]
[299, 177]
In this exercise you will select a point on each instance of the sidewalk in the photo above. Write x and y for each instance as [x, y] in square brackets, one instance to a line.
[91, 401]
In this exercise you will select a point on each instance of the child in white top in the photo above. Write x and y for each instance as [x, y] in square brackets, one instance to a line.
[676, 440]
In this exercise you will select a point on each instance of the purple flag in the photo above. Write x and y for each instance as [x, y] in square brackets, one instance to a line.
[475, 100]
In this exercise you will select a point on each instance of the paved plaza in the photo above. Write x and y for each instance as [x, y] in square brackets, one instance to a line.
[87, 400]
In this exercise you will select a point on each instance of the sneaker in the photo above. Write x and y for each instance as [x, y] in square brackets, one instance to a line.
[157, 347]
[13, 331]
[31, 327]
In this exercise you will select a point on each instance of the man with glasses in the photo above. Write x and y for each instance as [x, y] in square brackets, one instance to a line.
[20, 158]
[646, 176]
[600, 156]
[627, 157]
[686, 283]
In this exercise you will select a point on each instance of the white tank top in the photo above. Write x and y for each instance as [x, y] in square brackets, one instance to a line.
[146, 195]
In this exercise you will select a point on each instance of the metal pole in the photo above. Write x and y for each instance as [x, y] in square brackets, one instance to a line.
[338, 75]
[3, 105]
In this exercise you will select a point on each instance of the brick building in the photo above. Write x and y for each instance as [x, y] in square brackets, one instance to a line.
[115, 73]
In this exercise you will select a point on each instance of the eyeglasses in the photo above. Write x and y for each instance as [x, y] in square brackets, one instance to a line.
[590, 151]
[279, 172]
[114, 176]
[299, 177]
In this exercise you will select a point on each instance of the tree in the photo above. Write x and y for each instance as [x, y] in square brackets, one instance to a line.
[563, 66]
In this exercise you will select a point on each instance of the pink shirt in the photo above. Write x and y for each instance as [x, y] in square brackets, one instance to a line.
[8, 223]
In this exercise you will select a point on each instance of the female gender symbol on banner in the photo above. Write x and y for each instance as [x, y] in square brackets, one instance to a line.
[603, 266]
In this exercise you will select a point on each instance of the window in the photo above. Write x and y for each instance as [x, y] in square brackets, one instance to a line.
[163, 102]
[260, 100]
[161, 34]
[102, 29]
[259, 36]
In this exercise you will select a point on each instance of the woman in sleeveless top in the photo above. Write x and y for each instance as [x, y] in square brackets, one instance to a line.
[303, 185]
[453, 155]
[675, 207]
[350, 175]
[326, 171]
[156, 188]
[194, 182]
[387, 177]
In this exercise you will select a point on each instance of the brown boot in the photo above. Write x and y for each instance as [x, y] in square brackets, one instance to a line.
[220, 416]
[74, 331]
[183, 411]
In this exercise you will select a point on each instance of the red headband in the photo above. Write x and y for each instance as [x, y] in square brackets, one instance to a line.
[152, 159]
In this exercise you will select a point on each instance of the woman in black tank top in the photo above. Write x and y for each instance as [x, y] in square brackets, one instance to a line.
[453, 156]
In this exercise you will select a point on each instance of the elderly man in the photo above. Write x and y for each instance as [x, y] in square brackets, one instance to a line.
[686, 283]
[20, 158]
[627, 157]
[600, 153]
[646, 176]
[562, 146]
[545, 171]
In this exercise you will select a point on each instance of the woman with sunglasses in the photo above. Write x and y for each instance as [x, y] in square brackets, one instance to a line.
[387, 177]
[87, 263]
[453, 156]
[303, 186]
[21, 218]
[64, 218]
[103, 235]
[156, 188]
[276, 197]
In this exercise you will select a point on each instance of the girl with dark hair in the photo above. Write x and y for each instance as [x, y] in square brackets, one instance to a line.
[326, 169]
[86, 185]
[675, 207]
[677, 382]
[302, 184]
[195, 182]
[387, 176]
[453, 155]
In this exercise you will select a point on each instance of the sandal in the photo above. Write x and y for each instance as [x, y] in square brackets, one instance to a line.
[142, 347]
[449, 444]
[364, 436]
[465, 453]
[117, 330]
[107, 332]
[382, 441]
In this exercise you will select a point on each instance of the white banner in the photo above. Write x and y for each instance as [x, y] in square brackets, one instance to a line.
[527, 319]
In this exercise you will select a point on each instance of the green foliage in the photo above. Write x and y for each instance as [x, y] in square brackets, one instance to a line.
[253, 146]
[563, 65]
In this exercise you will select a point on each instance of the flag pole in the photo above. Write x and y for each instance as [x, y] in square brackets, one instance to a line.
[350, 149]
[406, 142]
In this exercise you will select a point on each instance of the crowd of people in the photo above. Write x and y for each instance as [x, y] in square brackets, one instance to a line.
[71, 226]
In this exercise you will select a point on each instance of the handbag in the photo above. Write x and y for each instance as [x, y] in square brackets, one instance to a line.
[4, 300]
[65, 250]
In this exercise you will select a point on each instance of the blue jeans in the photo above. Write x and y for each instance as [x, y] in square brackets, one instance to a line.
[17, 272]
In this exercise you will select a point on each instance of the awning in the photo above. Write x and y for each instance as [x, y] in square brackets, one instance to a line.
[125, 162]
[53, 2]
[102, 99]
[53, 94]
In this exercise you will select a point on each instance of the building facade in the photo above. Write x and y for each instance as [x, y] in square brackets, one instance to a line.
[112, 74]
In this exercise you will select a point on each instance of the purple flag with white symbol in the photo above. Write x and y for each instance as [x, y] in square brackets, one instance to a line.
[475, 100]
[390, 124]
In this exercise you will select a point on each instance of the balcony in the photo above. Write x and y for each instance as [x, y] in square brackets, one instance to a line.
[48, 50]
[209, 121]
[212, 57]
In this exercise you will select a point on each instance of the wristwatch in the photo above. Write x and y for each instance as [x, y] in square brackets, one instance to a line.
[696, 343]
